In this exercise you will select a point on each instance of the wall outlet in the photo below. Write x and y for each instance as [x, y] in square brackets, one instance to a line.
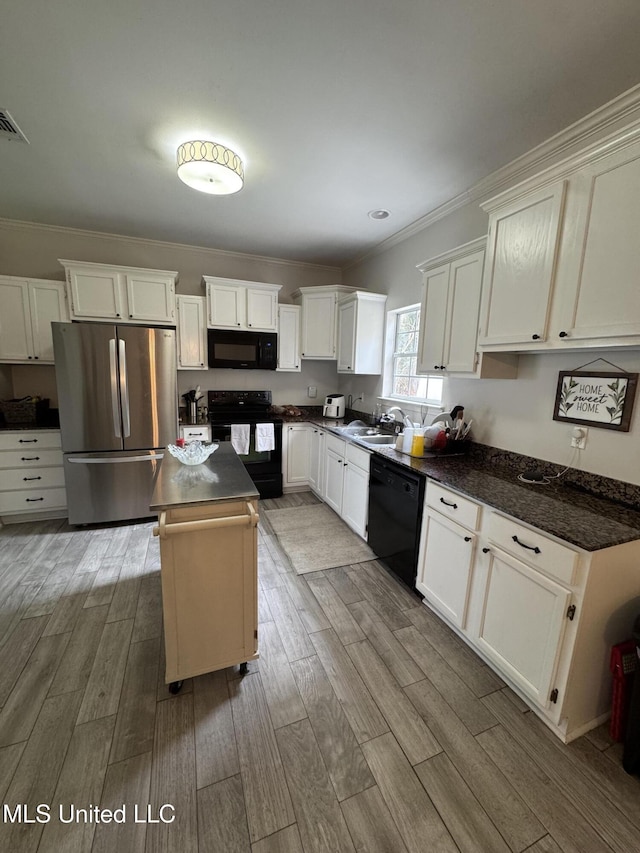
[312, 391]
[579, 437]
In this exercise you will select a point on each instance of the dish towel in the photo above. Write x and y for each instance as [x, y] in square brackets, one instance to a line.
[240, 438]
[265, 439]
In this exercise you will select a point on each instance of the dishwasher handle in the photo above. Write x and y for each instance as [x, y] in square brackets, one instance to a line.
[163, 529]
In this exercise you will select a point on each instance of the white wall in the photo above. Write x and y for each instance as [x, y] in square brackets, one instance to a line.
[286, 388]
[33, 250]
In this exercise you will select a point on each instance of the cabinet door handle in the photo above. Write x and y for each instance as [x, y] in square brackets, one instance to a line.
[563, 334]
[467, 539]
[29, 458]
[533, 548]
[486, 550]
[27, 441]
[446, 503]
[535, 337]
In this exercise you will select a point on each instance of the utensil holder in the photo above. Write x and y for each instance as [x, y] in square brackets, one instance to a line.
[192, 412]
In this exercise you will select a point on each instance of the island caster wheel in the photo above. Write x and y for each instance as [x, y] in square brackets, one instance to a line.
[244, 668]
[175, 686]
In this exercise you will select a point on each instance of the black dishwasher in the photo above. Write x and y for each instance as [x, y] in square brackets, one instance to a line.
[396, 496]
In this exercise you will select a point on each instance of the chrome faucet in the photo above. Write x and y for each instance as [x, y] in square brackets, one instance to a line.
[386, 417]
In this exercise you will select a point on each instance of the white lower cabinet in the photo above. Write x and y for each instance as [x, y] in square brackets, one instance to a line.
[317, 455]
[295, 456]
[31, 475]
[335, 462]
[195, 432]
[522, 623]
[339, 474]
[355, 490]
[446, 566]
[542, 613]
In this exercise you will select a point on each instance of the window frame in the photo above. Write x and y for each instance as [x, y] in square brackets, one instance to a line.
[391, 355]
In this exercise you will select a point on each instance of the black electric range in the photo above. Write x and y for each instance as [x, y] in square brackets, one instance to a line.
[227, 408]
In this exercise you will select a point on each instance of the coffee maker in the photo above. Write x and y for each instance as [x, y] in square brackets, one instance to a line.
[334, 406]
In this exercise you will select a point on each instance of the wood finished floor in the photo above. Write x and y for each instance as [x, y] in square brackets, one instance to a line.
[366, 725]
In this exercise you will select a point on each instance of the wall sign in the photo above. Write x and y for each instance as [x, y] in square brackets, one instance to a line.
[599, 399]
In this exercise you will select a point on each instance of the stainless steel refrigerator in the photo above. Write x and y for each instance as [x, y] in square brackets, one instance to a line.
[118, 402]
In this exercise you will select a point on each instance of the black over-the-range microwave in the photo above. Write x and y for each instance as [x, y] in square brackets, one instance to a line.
[242, 349]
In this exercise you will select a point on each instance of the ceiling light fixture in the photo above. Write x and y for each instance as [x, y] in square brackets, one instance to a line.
[210, 167]
[379, 214]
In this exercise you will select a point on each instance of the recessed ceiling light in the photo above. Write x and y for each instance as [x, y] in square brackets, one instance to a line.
[379, 214]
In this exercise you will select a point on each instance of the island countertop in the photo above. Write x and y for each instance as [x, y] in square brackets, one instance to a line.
[222, 477]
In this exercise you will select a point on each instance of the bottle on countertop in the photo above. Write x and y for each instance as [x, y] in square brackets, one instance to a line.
[407, 441]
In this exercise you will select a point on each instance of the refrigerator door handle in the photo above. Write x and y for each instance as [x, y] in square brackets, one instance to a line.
[124, 389]
[96, 460]
[113, 375]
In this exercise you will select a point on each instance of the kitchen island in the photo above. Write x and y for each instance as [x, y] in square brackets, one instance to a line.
[207, 524]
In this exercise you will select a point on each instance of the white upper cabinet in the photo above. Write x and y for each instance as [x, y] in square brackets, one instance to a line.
[234, 304]
[127, 294]
[320, 319]
[191, 333]
[563, 255]
[361, 317]
[599, 267]
[27, 309]
[519, 274]
[449, 315]
[289, 338]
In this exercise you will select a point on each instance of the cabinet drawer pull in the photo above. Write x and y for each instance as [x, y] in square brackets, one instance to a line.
[446, 503]
[26, 479]
[29, 458]
[533, 548]
[27, 441]
[33, 500]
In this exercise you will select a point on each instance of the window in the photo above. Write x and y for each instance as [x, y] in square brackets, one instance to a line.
[405, 383]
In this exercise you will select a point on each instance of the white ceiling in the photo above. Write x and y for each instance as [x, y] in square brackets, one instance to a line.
[338, 107]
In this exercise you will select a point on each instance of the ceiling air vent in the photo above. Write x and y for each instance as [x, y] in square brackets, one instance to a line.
[9, 129]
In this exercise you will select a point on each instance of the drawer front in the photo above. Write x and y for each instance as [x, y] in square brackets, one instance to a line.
[25, 440]
[197, 432]
[453, 505]
[336, 444]
[33, 478]
[358, 457]
[30, 457]
[32, 501]
[554, 559]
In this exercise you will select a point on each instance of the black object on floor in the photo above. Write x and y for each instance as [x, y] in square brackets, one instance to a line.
[631, 755]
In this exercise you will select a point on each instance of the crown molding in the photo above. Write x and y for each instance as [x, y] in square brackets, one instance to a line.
[20, 225]
[453, 254]
[586, 132]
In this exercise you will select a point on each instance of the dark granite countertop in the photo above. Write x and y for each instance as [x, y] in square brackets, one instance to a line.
[222, 477]
[558, 508]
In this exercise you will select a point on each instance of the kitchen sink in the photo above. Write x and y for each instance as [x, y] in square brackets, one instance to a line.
[377, 439]
[357, 430]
